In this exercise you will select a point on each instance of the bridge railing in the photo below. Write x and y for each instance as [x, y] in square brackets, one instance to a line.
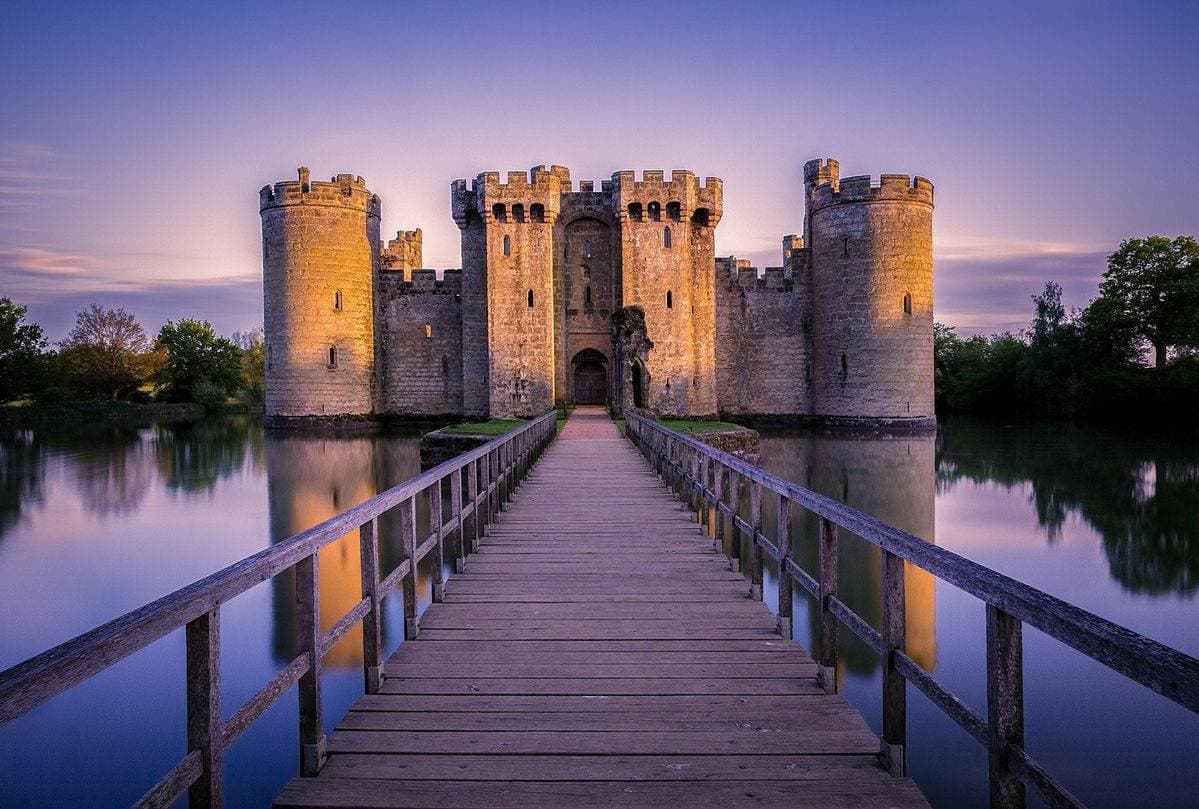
[490, 474]
[714, 481]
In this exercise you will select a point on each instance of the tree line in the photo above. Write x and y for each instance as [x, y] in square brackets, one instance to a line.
[1131, 353]
[109, 357]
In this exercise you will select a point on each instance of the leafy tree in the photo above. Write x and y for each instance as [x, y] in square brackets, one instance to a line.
[21, 352]
[1155, 284]
[195, 354]
[253, 361]
[107, 353]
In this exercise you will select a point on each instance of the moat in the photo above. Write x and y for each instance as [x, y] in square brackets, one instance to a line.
[116, 517]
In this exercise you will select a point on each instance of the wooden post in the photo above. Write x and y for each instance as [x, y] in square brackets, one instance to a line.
[1005, 706]
[783, 539]
[204, 730]
[436, 523]
[456, 514]
[313, 746]
[828, 590]
[372, 640]
[895, 701]
[736, 484]
[472, 497]
[755, 550]
[484, 494]
[720, 486]
[408, 540]
[705, 512]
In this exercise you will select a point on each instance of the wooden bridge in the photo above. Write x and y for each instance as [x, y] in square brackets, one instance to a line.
[597, 647]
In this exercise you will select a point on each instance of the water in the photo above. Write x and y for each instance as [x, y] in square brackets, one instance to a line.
[94, 522]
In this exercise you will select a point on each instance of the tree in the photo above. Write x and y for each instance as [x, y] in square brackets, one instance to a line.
[1154, 282]
[107, 353]
[196, 354]
[253, 361]
[21, 352]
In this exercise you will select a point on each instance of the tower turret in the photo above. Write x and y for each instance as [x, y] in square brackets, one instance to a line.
[872, 295]
[320, 249]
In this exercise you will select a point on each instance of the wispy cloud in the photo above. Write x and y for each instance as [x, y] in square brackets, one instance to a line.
[32, 174]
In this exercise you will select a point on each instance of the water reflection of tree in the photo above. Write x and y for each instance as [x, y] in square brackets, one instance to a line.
[1139, 492]
[22, 475]
[114, 472]
[193, 457]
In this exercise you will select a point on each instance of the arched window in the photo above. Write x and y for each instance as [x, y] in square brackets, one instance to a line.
[499, 213]
[332, 356]
[507, 246]
[669, 299]
[635, 211]
[530, 299]
[337, 300]
[586, 248]
[428, 331]
[518, 212]
[655, 211]
[666, 238]
[844, 366]
[674, 211]
[537, 212]
[907, 303]
[700, 217]
[587, 295]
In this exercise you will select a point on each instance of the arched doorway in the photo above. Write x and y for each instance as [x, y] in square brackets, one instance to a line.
[638, 382]
[590, 369]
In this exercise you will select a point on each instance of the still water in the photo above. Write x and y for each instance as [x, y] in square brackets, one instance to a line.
[95, 522]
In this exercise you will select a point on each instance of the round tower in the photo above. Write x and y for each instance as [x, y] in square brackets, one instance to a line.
[872, 296]
[320, 249]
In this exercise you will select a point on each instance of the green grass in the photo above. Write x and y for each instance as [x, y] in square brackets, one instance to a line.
[698, 427]
[493, 427]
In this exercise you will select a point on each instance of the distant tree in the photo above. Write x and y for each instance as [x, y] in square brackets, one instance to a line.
[253, 361]
[1154, 284]
[107, 353]
[1049, 315]
[196, 354]
[22, 346]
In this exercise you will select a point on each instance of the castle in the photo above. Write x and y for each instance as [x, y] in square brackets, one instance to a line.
[600, 296]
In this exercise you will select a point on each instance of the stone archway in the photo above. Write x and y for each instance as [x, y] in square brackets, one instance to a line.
[589, 370]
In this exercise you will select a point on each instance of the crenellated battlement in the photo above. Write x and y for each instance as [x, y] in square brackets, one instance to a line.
[403, 253]
[653, 198]
[734, 272]
[425, 281]
[863, 188]
[524, 197]
[343, 191]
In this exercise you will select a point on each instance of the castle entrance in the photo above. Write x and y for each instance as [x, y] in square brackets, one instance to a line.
[590, 372]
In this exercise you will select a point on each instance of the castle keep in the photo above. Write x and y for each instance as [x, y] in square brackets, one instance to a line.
[579, 295]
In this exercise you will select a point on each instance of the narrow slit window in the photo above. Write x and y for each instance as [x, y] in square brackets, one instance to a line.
[445, 366]
[337, 300]
[428, 331]
[587, 295]
[844, 366]
[669, 299]
[666, 238]
[332, 356]
[530, 299]
[844, 247]
[507, 246]
[587, 248]
[907, 303]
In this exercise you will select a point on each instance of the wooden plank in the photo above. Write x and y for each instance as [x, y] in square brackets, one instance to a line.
[599, 686]
[788, 704]
[172, 785]
[559, 669]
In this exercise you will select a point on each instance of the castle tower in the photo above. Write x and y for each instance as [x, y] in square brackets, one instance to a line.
[508, 290]
[667, 259]
[872, 295]
[320, 248]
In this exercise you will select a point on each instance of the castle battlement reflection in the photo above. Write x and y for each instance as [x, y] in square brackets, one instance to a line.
[891, 478]
[312, 478]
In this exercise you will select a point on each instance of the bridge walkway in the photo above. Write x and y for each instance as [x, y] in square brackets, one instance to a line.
[598, 652]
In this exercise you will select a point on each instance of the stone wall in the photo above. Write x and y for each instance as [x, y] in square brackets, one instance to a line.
[872, 285]
[419, 329]
[320, 245]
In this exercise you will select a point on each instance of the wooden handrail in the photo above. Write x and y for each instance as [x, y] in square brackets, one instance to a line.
[492, 471]
[699, 472]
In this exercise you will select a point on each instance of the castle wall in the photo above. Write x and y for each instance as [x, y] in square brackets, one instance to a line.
[871, 247]
[586, 285]
[320, 247]
[761, 345]
[420, 344]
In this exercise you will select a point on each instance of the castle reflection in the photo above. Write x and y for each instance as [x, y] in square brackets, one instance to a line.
[891, 478]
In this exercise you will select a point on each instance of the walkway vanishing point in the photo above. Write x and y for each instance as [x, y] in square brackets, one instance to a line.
[597, 651]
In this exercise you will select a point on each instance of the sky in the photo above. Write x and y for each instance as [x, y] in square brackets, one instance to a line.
[134, 138]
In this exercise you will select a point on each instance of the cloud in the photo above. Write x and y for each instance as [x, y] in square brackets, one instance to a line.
[31, 173]
[33, 263]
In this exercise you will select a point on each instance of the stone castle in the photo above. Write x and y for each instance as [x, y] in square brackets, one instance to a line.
[600, 296]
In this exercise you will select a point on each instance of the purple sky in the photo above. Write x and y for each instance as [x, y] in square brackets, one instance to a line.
[133, 140]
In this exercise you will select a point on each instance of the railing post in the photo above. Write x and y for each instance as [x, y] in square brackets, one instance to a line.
[828, 591]
[755, 550]
[308, 625]
[895, 701]
[1005, 706]
[484, 512]
[705, 513]
[204, 731]
[408, 539]
[437, 523]
[783, 539]
[697, 487]
[456, 514]
[720, 487]
[472, 497]
[372, 640]
[736, 488]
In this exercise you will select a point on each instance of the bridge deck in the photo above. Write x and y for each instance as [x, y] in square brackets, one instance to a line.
[598, 652]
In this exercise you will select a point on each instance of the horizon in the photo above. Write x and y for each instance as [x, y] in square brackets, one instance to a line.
[134, 142]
